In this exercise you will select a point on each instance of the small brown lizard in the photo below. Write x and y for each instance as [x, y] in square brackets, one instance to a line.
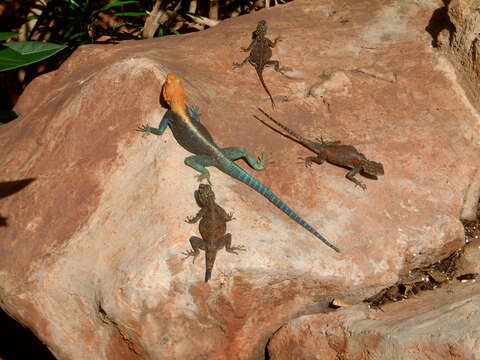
[260, 54]
[335, 153]
[212, 227]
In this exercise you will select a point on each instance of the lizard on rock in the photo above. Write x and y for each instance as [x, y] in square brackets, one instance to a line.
[260, 54]
[212, 227]
[195, 138]
[335, 153]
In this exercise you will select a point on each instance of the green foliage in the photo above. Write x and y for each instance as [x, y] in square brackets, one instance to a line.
[17, 54]
[7, 35]
[80, 22]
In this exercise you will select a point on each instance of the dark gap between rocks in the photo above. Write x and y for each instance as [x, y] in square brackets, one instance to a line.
[19, 343]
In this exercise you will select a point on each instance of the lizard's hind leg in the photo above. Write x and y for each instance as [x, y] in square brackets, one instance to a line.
[226, 240]
[198, 162]
[237, 65]
[235, 153]
[313, 159]
[276, 66]
[196, 243]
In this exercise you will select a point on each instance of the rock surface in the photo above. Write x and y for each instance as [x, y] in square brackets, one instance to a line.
[433, 326]
[92, 252]
[455, 29]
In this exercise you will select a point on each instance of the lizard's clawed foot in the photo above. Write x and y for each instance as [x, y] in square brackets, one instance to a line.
[189, 253]
[306, 161]
[236, 65]
[363, 186]
[229, 217]
[194, 112]
[144, 128]
[204, 175]
[234, 249]
[260, 164]
[190, 219]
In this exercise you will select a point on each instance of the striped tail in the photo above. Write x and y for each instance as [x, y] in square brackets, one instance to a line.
[239, 174]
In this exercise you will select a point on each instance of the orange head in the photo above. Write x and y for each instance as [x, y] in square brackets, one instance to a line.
[174, 93]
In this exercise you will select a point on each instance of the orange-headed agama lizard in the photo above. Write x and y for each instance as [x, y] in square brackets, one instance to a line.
[195, 138]
[212, 227]
[260, 54]
[335, 153]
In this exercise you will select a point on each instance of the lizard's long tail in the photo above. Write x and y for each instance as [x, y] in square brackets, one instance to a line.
[209, 261]
[260, 76]
[240, 174]
[291, 132]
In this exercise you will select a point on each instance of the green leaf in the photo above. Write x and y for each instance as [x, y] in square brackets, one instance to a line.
[73, 4]
[117, 3]
[10, 59]
[132, 13]
[7, 35]
[8, 115]
[32, 47]
[116, 26]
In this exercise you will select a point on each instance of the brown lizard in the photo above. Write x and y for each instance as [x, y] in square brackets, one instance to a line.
[260, 54]
[213, 227]
[335, 153]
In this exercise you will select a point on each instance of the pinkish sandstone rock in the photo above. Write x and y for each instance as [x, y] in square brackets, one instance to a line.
[435, 325]
[92, 253]
[456, 34]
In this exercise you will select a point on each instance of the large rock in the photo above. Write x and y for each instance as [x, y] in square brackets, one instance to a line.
[433, 326]
[92, 257]
[455, 30]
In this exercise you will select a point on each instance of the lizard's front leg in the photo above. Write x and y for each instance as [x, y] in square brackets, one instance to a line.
[226, 216]
[198, 162]
[194, 113]
[249, 46]
[226, 240]
[350, 176]
[196, 243]
[235, 153]
[194, 219]
[167, 118]
[229, 216]
[273, 43]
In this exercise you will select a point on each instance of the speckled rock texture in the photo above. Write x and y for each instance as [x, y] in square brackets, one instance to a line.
[92, 252]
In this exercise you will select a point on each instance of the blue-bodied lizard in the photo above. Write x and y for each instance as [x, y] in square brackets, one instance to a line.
[184, 122]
